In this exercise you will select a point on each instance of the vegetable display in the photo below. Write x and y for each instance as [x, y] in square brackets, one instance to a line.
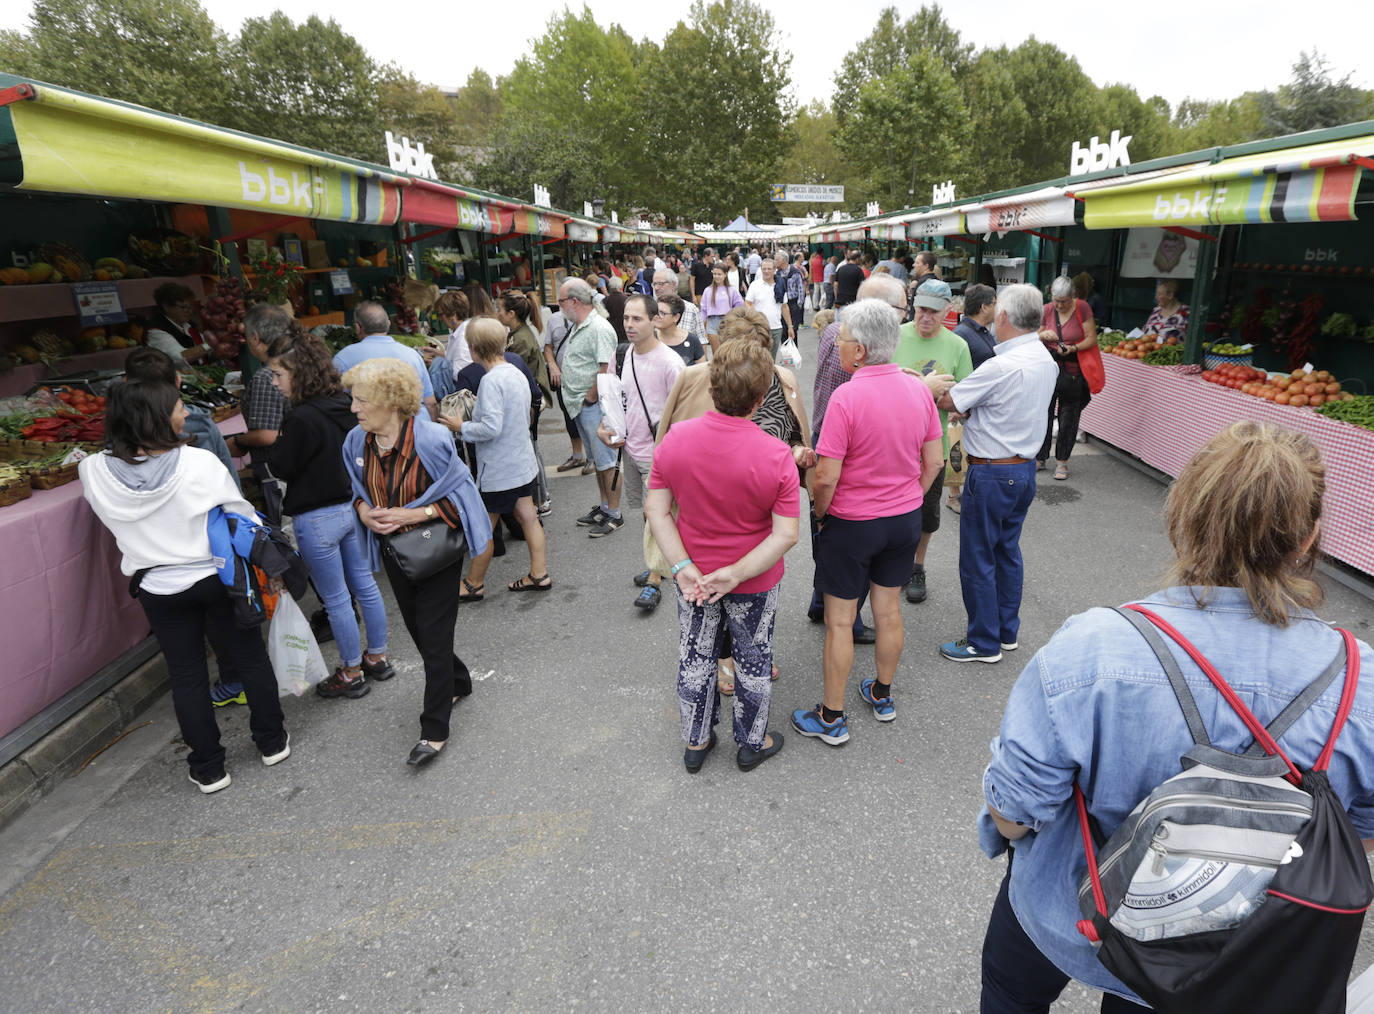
[1357, 410]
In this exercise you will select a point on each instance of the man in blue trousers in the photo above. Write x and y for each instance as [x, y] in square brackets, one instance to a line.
[1007, 401]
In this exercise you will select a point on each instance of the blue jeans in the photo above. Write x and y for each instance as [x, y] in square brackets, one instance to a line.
[601, 456]
[338, 564]
[441, 376]
[994, 505]
[749, 620]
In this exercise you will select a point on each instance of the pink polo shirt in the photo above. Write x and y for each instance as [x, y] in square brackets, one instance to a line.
[876, 425]
[729, 478]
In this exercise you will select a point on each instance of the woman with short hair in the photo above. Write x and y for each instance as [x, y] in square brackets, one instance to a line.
[1095, 707]
[405, 471]
[155, 496]
[171, 329]
[308, 457]
[726, 552]
[1067, 328]
[445, 364]
[668, 325]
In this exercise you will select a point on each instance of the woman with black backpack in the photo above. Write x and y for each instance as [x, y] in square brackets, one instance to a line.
[1111, 704]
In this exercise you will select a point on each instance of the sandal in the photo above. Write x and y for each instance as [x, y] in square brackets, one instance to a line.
[472, 592]
[775, 675]
[531, 583]
[1061, 471]
[725, 680]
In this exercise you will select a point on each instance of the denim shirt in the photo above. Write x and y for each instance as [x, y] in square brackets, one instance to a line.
[1094, 704]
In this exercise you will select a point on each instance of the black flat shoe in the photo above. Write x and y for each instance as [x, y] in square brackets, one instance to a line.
[866, 636]
[421, 754]
[692, 760]
[748, 759]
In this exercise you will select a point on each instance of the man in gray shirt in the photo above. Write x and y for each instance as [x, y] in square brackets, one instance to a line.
[1007, 402]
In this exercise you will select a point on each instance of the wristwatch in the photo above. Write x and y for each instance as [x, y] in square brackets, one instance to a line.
[429, 510]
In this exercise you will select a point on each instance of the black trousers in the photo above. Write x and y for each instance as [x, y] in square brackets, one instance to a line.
[430, 611]
[1017, 977]
[798, 312]
[569, 421]
[1071, 397]
[180, 623]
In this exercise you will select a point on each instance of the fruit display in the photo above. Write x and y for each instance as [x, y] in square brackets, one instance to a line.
[65, 262]
[1299, 388]
[1228, 349]
[164, 251]
[1357, 410]
[222, 318]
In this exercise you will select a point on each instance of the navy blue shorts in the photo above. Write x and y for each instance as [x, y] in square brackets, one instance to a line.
[851, 554]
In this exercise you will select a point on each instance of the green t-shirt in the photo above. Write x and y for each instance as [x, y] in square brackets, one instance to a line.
[589, 345]
[945, 353]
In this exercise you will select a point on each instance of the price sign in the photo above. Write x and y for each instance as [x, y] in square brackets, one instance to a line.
[98, 303]
[340, 282]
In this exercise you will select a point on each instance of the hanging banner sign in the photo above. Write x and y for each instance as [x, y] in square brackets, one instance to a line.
[1036, 213]
[98, 303]
[74, 144]
[532, 223]
[889, 231]
[1157, 253]
[945, 223]
[580, 232]
[1312, 195]
[806, 193]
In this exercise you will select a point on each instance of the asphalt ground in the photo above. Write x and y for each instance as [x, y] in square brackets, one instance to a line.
[556, 857]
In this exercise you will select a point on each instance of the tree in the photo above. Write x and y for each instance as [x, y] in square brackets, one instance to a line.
[992, 107]
[1062, 104]
[311, 84]
[476, 108]
[1311, 100]
[421, 112]
[900, 133]
[891, 44]
[571, 119]
[815, 158]
[721, 118]
[164, 54]
[1152, 134]
[1199, 124]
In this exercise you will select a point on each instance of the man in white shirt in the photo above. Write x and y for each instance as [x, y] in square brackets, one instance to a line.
[762, 298]
[650, 370]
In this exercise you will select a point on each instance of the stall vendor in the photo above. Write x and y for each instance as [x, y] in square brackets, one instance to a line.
[1169, 318]
[171, 329]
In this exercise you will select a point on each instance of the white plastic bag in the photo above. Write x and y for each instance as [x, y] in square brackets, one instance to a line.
[295, 656]
[611, 393]
[789, 355]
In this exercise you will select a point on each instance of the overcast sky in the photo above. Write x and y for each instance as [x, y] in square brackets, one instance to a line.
[1211, 49]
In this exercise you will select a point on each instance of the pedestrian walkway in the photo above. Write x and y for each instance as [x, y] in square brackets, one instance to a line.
[557, 857]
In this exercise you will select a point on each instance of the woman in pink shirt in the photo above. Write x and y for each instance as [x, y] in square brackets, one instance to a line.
[726, 551]
[719, 299]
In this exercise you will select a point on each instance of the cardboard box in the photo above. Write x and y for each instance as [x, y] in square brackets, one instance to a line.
[316, 254]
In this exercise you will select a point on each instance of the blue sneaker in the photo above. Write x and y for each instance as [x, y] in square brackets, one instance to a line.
[810, 723]
[222, 694]
[962, 651]
[883, 708]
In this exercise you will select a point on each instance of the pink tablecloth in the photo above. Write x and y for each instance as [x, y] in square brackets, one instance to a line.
[1163, 418]
[65, 606]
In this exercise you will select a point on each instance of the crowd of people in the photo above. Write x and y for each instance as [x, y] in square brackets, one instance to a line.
[387, 459]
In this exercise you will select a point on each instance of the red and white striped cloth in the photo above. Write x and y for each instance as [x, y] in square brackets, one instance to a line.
[1163, 418]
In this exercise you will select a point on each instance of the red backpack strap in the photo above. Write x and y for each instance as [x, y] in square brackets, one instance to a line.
[1352, 682]
[1085, 926]
[1252, 723]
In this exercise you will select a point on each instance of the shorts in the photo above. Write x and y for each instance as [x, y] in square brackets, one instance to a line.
[601, 456]
[713, 323]
[930, 506]
[851, 554]
[502, 501]
[634, 475]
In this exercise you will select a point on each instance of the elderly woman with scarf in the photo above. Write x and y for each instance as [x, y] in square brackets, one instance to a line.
[405, 472]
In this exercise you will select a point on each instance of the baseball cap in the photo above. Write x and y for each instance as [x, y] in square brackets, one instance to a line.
[933, 294]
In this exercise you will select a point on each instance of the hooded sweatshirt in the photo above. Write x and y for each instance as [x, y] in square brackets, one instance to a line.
[308, 454]
[157, 507]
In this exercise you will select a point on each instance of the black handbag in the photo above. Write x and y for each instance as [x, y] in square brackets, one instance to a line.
[423, 551]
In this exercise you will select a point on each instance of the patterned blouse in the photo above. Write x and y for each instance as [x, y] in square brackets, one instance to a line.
[776, 418]
[1164, 325]
[395, 478]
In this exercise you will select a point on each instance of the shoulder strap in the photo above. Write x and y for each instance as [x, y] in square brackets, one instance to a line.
[634, 375]
[1304, 700]
[1186, 701]
[1352, 682]
[1237, 705]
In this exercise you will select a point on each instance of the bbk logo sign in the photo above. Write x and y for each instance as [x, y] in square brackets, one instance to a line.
[942, 193]
[405, 159]
[284, 191]
[1098, 156]
[1185, 207]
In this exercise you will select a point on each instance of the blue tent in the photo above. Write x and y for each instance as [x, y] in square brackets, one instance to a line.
[742, 224]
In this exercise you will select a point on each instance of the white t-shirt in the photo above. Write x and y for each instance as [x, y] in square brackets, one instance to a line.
[753, 264]
[760, 296]
[456, 351]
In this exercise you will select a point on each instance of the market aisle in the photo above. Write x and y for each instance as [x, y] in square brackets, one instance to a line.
[557, 857]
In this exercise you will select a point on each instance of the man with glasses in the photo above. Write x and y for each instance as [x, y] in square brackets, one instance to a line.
[665, 284]
[591, 346]
[928, 347]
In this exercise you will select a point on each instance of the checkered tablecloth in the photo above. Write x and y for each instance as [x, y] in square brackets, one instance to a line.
[1163, 418]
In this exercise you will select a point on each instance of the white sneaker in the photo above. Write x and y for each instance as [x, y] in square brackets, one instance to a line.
[1010, 647]
[276, 758]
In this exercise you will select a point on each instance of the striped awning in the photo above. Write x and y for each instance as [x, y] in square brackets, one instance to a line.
[1312, 183]
[1038, 209]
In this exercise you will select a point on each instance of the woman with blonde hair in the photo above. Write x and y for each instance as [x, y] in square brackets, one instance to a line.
[1244, 517]
[405, 472]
